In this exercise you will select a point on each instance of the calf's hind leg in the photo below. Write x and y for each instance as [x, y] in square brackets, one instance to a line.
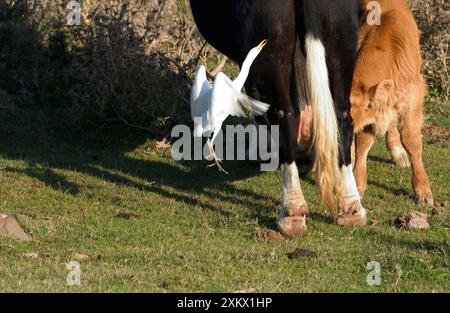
[395, 147]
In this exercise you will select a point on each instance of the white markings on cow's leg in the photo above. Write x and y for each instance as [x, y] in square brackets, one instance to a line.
[292, 218]
[292, 190]
[351, 197]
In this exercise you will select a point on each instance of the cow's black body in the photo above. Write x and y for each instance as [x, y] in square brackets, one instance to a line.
[278, 75]
[235, 26]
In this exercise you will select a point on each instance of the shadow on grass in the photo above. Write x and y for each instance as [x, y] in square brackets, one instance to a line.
[395, 191]
[49, 178]
[32, 128]
[427, 245]
[380, 160]
[104, 156]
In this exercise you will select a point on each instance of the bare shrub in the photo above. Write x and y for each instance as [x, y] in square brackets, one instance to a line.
[131, 62]
[433, 17]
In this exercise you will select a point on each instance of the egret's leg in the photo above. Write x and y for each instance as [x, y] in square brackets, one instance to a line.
[292, 219]
[214, 157]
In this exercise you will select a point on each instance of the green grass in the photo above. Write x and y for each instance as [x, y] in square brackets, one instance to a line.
[194, 231]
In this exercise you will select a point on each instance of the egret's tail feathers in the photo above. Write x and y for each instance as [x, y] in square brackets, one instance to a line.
[254, 106]
[244, 103]
[326, 130]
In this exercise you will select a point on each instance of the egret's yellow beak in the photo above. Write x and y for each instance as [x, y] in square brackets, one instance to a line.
[262, 44]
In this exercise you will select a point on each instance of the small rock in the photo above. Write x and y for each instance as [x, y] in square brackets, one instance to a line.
[301, 253]
[413, 221]
[9, 228]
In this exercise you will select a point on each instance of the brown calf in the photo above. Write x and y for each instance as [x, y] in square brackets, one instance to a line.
[388, 88]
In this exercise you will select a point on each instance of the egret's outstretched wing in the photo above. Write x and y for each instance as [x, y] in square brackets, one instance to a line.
[225, 97]
[200, 93]
[234, 102]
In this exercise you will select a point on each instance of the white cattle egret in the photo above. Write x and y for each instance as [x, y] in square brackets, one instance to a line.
[212, 104]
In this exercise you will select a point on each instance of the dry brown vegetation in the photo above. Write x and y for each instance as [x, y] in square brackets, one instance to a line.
[433, 17]
[131, 61]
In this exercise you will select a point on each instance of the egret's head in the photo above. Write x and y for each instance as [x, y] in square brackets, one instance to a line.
[256, 50]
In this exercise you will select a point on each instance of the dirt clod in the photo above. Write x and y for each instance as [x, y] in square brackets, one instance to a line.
[412, 221]
[9, 228]
[268, 235]
[301, 253]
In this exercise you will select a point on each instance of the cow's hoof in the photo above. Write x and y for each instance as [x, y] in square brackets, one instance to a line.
[401, 157]
[296, 207]
[292, 226]
[355, 216]
[352, 220]
[425, 199]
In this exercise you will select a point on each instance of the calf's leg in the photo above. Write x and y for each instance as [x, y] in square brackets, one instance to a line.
[395, 147]
[411, 137]
[363, 143]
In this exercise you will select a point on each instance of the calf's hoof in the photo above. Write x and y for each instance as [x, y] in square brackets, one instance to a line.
[292, 226]
[400, 157]
[425, 199]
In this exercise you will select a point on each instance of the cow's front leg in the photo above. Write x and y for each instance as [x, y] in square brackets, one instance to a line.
[341, 52]
[351, 211]
[292, 219]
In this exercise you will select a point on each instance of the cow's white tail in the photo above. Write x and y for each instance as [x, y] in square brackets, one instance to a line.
[325, 125]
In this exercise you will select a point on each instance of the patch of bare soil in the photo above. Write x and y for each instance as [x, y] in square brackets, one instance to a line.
[9, 228]
[80, 256]
[301, 254]
[441, 211]
[437, 136]
[128, 216]
[412, 221]
[267, 235]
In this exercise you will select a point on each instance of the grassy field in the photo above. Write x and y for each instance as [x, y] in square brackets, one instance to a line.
[142, 222]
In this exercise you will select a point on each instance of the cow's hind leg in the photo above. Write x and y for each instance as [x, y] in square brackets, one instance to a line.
[395, 146]
[292, 219]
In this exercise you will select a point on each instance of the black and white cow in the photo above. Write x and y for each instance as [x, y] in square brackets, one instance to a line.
[309, 60]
